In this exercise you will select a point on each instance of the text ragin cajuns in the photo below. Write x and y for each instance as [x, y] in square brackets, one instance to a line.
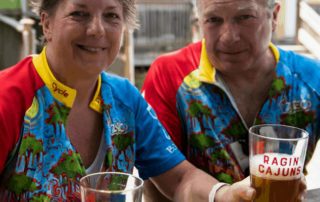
[276, 165]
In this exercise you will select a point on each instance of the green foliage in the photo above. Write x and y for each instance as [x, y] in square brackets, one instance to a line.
[222, 154]
[31, 144]
[235, 129]
[196, 109]
[69, 166]
[40, 198]
[58, 114]
[108, 159]
[224, 178]
[298, 119]
[277, 87]
[118, 183]
[122, 142]
[19, 183]
[201, 141]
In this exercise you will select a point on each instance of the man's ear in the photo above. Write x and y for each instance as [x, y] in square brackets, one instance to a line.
[275, 14]
[46, 26]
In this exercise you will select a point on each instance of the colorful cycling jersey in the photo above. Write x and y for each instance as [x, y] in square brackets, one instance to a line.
[199, 112]
[47, 166]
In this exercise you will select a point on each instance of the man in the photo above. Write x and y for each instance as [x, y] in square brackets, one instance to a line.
[209, 93]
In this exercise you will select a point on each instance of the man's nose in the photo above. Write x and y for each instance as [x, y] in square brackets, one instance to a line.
[229, 33]
[96, 27]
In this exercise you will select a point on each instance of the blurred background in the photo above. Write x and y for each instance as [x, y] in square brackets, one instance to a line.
[165, 25]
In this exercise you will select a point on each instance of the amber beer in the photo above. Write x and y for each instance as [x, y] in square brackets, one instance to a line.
[277, 154]
[276, 177]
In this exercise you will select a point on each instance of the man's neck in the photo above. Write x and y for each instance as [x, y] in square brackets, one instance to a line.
[250, 89]
[255, 77]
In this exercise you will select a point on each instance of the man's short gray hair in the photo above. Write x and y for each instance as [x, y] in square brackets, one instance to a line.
[269, 3]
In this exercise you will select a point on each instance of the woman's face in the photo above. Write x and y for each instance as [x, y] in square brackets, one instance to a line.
[83, 35]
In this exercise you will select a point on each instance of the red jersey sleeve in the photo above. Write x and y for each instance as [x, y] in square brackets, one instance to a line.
[162, 82]
[18, 85]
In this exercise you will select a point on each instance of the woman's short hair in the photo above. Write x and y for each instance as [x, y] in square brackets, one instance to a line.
[49, 6]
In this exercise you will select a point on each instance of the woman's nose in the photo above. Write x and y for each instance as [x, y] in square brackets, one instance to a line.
[96, 27]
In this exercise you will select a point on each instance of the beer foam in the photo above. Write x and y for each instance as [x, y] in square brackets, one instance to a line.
[276, 166]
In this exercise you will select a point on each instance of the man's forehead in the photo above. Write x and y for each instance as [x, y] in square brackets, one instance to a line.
[234, 4]
[235, 1]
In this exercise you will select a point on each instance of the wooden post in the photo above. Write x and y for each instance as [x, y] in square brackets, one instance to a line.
[28, 37]
[129, 55]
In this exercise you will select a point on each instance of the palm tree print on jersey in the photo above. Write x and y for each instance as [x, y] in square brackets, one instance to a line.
[201, 141]
[277, 87]
[18, 184]
[235, 130]
[57, 115]
[298, 119]
[122, 142]
[107, 164]
[30, 152]
[218, 166]
[198, 113]
[68, 170]
[40, 198]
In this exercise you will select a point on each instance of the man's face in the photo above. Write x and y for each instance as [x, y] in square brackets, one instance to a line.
[237, 33]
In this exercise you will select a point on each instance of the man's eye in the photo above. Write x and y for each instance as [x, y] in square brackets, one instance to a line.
[214, 20]
[245, 17]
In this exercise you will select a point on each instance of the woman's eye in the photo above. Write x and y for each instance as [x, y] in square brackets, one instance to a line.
[111, 16]
[79, 14]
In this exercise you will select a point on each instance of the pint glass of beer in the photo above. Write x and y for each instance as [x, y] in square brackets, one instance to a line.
[111, 187]
[277, 154]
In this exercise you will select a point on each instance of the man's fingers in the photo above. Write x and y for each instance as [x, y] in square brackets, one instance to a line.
[243, 191]
[303, 183]
[302, 196]
[302, 188]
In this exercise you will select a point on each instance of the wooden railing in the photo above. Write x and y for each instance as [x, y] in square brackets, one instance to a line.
[17, 40]
[309, 28]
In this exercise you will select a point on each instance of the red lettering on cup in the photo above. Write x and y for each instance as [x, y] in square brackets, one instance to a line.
[266, 159]
[283, 161]
[275, 161]
[261, 168]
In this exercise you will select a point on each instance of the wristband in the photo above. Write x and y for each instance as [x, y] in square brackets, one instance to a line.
[214, 190]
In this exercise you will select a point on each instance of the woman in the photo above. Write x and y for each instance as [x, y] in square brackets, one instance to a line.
[62, 116]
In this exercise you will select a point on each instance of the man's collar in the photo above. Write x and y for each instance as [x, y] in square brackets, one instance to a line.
[207, 72]
[60, 91]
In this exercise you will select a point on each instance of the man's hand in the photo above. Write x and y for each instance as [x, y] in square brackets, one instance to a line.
[239, 191]
[302, 188]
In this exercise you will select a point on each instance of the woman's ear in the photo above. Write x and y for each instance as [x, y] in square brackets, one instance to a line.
[46, 26]
[275, 14]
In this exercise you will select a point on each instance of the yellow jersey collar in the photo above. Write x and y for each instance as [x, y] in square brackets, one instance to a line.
[61, 92]
[207, 72]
